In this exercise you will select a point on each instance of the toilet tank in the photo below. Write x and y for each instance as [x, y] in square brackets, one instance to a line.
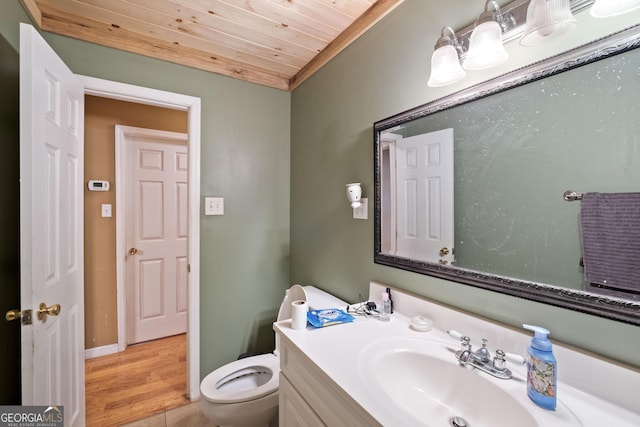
[317, 299]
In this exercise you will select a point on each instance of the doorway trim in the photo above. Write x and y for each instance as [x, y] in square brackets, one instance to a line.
[192, 105]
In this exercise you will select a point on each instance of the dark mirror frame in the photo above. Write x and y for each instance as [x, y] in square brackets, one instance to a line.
[621, 310]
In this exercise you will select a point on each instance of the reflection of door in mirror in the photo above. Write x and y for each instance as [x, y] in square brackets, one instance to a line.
[418, 179]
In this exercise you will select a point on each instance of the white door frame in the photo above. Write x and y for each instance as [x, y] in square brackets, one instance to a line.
[126, 92]
[389, 145]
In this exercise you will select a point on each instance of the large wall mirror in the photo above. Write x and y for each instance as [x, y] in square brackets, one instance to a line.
[491, 212]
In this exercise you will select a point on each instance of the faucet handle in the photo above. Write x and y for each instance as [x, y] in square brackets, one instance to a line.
[466, 343]
[499, 360]
[516, 359]
[455, 334]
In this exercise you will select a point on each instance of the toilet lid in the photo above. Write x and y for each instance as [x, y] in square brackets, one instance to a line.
[295, 293]
[242, 380]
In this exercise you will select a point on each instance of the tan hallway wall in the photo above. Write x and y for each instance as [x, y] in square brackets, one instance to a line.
[101, 116]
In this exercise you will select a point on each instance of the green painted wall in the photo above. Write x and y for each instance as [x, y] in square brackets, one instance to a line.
[383, 73]
[245, 159]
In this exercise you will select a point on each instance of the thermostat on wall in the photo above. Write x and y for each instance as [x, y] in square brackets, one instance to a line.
[98, 185]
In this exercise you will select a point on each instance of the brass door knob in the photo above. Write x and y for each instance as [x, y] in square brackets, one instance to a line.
[13, 315]
[444, 251]
[133, 251]
[24, 316]
[43, 310]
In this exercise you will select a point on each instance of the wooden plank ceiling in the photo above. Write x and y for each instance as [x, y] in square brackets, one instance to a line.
[276, 43]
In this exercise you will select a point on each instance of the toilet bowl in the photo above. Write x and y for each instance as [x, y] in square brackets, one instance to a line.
[244, 393]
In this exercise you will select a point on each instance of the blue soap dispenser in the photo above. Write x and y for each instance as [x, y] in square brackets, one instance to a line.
[542, 369]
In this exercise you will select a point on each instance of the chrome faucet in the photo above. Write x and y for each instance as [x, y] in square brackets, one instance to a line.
[483, 354]
[481, 358]
[464, 354]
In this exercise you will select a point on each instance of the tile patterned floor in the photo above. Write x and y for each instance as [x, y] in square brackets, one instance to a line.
[184, 416]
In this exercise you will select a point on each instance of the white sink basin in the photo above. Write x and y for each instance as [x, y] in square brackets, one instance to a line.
[424, 380]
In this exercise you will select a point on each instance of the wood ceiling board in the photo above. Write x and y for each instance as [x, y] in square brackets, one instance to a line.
[367, 20]
[266, 9]
[100, 33]
[262, 41]
[352, 8]
[173, 16]
[240, 17]
[218, 45]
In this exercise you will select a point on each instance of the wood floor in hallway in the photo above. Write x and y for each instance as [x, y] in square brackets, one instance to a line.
[143, 380]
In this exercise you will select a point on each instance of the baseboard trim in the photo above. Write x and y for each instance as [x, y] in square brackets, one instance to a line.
[100, 351]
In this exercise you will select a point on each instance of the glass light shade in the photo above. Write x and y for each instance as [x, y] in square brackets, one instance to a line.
[445, 67]
[486, 49]
[606, 8]
[546, 20]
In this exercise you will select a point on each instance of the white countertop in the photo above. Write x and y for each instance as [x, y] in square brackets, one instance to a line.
[337, 351]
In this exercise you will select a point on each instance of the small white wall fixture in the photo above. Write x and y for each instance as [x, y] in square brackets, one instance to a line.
[354, 193]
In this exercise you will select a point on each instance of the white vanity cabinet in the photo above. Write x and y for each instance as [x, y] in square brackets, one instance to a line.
[349, 375]
[309, 398]
[294, 410]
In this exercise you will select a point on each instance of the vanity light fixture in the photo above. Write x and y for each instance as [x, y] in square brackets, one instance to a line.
[481, 45]
[445, 61]
[354, 194]
[547, 19]
[486, 48]
[606, 8]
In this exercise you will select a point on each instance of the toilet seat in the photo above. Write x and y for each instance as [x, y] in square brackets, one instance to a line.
[217, 387]
[245, 391]
[220, 385]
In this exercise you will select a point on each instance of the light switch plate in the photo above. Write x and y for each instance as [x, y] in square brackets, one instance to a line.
[362, 211]
[214, 206]
[106, 211]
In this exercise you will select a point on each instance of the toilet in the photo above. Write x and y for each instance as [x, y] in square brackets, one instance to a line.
[244, 393]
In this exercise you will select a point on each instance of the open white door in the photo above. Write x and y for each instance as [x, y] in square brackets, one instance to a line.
[424, 179]
[51, 228]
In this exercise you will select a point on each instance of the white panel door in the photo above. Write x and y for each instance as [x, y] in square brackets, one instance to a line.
[156, 236]
[51, 228]
[424, 180]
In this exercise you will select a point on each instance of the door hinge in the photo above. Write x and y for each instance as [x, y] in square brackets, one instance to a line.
[188, 268]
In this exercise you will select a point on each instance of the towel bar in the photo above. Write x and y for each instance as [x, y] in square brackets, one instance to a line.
[571, 196]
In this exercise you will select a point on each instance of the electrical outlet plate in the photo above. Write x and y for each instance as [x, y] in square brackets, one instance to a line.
[362, 211]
